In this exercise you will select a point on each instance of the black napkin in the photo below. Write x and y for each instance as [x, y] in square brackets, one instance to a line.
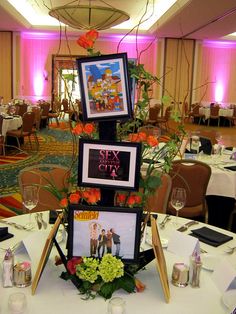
[210, 236]
[4, 234]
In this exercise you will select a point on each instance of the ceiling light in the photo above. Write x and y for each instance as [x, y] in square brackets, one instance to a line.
[88, 15]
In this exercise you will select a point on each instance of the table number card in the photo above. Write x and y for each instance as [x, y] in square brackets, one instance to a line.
[183, 245]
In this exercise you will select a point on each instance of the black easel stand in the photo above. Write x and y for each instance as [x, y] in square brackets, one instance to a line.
[107, 132]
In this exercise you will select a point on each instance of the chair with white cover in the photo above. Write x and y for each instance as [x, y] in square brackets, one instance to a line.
[52, 181]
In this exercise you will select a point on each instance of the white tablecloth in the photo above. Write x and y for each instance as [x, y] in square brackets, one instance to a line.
[56, 296]
[11, 124]
[222, 112]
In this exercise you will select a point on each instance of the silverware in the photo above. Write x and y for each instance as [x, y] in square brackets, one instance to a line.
[43, 222]
[15, 225]
[39, 223]
[187, 225]
[164, 221]
[230, 250]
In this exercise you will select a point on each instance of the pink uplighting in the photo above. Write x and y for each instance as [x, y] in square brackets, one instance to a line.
[219, 92]
[38, 84]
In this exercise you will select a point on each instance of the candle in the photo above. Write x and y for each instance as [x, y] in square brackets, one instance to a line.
[17, 303]
[116, 306]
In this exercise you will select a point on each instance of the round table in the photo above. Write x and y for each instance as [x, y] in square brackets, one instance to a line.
[54, 295]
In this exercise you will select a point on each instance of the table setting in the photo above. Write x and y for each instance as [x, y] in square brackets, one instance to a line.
[183, 300]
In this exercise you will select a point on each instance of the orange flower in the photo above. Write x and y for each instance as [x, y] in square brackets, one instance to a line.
[152, 141]
[85, 42]
[89, 128]
[131, 200]
[78, 129]
[74, 198]
[92, 35]
[97, 194]
[142, 136]
[139, 285]
[92, 199]
[64, 202]
[121, 197]
[138, 199]
[72, 263]
[134, 137]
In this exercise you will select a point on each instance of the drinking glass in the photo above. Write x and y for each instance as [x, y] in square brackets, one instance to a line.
[17, 303]
[30, 200]
[178, 200]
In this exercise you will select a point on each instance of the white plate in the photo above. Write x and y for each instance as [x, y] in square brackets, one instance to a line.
[229, 299]
[209, 262]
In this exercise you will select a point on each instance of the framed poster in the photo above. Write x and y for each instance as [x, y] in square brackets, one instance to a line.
[104, 86]
[95, 231]
[109, 164]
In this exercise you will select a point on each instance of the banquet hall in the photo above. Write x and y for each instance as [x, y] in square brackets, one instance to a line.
[170, 105]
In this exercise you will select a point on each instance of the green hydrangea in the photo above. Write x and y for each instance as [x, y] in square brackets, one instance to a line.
[110, 268]
[88, 270]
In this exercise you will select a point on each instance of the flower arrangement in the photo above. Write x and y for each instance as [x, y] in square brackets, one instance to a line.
[87, 41]
[101, 277]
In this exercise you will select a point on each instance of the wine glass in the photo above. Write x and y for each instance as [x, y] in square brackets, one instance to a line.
[178, 200]
[30, 201]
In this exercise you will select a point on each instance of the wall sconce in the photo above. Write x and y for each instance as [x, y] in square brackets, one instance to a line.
[45, 75]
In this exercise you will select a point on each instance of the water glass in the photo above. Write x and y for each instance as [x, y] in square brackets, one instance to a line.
[178, 200]
[116, 306]
[17, 303]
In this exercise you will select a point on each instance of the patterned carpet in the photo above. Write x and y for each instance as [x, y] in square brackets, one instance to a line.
[55, 146]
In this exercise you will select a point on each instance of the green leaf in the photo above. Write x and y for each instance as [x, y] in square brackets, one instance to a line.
[126, 283]
[107, 289]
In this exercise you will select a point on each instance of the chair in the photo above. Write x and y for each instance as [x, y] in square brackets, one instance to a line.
[195, 113]
[159, 200]
[46, 175]
[214, 114]
[153, 114]
[27, 129]
[210, 134]
[232, 217]
[165, 119]
[44, 114]
[2, 138]
[55, 113]
[21, 109]
[38, 112]
[232, 119]
[194, 176]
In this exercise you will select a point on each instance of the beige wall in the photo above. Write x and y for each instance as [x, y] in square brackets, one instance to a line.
[6, 65]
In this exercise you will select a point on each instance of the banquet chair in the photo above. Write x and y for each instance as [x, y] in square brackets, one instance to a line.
[232, 119]
[153, 114]
[210, 134]
[158, 201]
[46, 177]
[27, 129]
[21, 109]
[38, 112]
[164, 120]
[214, 114]
[55, 112]
[194, 176]
[44, 114]
[195, 113]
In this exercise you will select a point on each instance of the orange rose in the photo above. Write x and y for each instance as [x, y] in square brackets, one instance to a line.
[78, 129]
[142, 136]
[121, 198]
[152, 141]
[85, 42]
[74, 198]
[97, 194]
[92, 35]
[139, 285]
[134, 137]
[72, 263]
[64, 202]
[92, 199]
[138, 199]
[89, 128]
[131, 200]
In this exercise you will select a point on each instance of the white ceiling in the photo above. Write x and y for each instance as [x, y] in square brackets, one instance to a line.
[199, 19]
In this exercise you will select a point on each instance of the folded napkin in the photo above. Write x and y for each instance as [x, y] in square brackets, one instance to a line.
[210, 236]
[4, 234]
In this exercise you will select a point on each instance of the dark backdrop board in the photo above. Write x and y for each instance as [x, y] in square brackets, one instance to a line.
[220, 208]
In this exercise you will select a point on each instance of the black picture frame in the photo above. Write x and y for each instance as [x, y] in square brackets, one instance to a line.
[108, 164]
[104, 85]
[126, 225]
